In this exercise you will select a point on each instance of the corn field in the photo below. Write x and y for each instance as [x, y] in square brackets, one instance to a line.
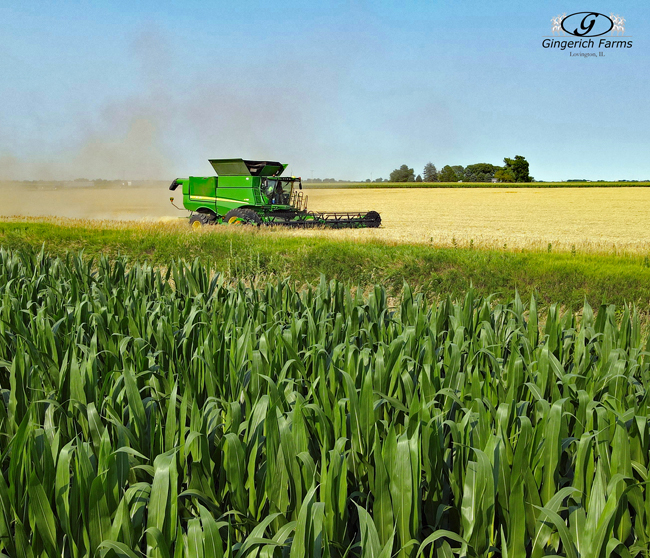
[173, 413]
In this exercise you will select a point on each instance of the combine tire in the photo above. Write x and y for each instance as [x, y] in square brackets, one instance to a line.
[199, 220]
[243, 216]
[372, 219]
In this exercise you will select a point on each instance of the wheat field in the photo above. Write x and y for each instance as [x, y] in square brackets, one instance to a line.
[563, 219]
[597, 219]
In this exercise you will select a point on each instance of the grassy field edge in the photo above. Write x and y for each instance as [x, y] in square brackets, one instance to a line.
[564, 278]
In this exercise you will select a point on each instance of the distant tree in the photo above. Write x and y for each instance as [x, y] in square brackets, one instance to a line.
[418, 178]
[403, 174]
[379, 179]
[505, 175]
[368, 180]
[447, 174]
[459, 171]
[480, 172]
[430, 173]
[519, 167]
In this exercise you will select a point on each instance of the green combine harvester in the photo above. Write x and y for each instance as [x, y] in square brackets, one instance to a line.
[254, 193]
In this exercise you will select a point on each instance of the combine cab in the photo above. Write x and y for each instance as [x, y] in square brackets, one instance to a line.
[254, 193]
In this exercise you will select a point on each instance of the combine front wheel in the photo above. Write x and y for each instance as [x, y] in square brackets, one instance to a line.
[199, 220]
[243, 216]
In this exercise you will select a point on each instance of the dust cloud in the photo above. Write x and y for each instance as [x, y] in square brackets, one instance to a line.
[140, 201]
[122, 138]
[176, 121]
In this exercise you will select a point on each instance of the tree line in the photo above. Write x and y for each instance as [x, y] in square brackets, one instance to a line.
[514, 170]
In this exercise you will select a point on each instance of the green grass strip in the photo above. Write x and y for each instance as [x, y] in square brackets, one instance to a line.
[564, 278]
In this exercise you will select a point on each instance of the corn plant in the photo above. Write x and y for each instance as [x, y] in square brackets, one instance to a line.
[172, 413]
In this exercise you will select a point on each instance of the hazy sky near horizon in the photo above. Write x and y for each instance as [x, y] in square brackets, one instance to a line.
[346, 89]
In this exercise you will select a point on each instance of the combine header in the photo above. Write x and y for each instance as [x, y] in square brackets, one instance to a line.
[254, 193]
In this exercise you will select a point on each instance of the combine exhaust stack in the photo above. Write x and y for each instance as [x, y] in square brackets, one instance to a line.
[255, 193]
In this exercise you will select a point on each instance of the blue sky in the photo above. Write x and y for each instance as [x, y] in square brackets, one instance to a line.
[354, 89]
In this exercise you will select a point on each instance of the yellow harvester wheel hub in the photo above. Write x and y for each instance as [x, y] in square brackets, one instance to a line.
[197, 225]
